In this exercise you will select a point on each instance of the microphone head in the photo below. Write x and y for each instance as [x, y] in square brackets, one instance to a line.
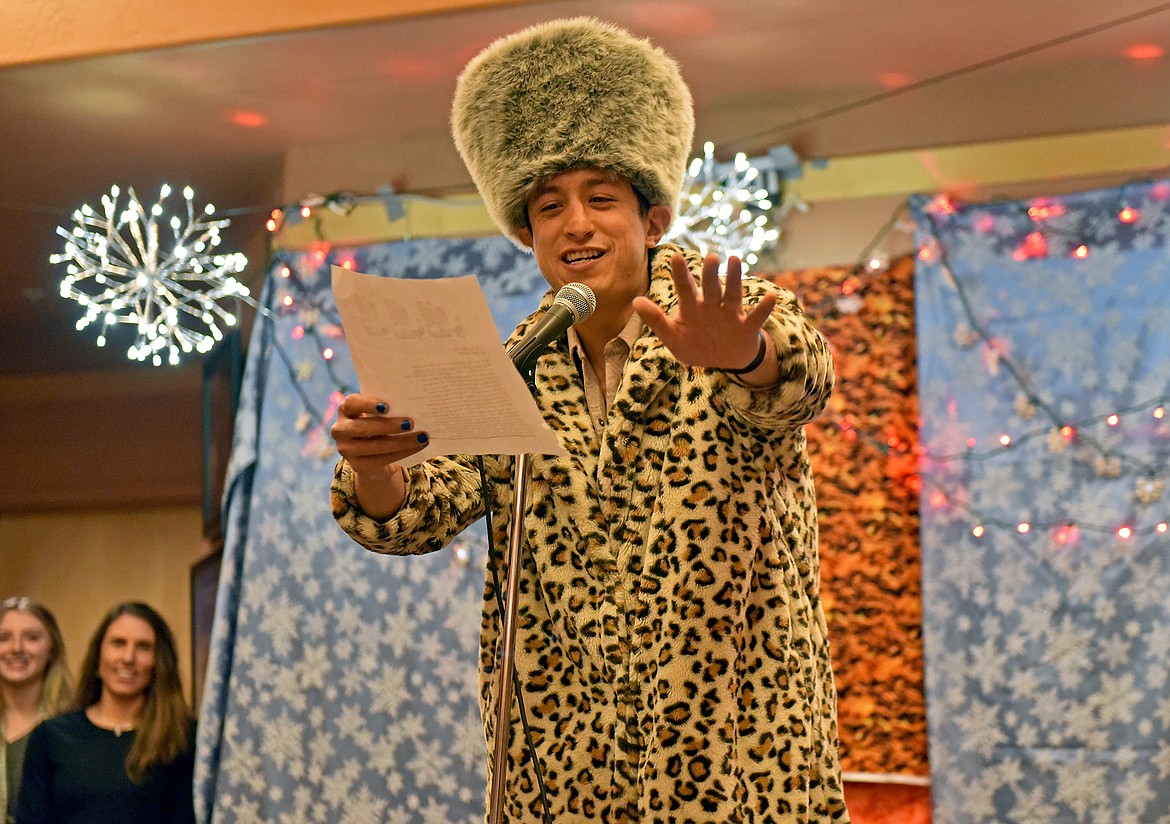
[579, 299]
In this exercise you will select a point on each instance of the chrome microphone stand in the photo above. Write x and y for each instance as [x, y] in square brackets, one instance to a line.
[506, 661]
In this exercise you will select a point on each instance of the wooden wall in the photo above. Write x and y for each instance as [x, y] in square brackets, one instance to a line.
[101, 500]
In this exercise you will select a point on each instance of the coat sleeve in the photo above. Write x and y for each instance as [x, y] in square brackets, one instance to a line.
[443, 498]
[806, 367]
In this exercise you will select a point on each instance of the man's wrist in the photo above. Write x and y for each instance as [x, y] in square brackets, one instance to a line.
[756, 361]
[381, 498]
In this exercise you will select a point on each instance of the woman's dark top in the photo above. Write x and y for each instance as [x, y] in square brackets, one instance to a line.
[75, 773]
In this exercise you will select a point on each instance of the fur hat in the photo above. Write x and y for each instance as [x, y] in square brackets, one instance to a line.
[570, 94]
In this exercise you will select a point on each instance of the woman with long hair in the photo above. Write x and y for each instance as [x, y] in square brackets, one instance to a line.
[126, 751]
[34, 685]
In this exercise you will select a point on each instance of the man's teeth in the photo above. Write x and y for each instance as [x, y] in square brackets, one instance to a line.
[576, 257]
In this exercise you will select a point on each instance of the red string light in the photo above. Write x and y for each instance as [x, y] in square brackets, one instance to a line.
[927, 253]
[1035, 245]
[941, 205]
[1043, 211]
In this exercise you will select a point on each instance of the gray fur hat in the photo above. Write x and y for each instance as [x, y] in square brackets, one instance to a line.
[570, 94]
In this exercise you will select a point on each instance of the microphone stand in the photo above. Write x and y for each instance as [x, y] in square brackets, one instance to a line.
[506, 662]
[507, 645]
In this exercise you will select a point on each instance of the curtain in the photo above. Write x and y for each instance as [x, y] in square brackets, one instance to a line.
[1044, 377]
[341, 684]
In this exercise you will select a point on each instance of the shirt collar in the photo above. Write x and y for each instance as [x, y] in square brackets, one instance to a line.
[629, 336]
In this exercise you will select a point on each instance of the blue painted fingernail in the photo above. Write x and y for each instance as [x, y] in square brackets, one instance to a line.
[407, 426]
[381, 409]
[422, 437]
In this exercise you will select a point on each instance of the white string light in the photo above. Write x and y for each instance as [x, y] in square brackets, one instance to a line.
[118, 271]
[725, 210]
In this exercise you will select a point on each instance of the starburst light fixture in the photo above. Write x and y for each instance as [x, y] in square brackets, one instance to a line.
[725, 210]
[119, 271]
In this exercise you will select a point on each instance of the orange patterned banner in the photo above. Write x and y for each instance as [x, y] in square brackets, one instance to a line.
[864, 456]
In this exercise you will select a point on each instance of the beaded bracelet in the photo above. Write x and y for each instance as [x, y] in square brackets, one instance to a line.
[756, 361]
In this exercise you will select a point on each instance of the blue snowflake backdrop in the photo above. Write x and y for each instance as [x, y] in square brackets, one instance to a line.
[341, 684]
[1044, 381]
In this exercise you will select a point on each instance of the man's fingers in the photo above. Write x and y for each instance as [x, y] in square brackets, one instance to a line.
[712, 288]
[650, 313]
[759, 313]
[733, 284]
[373, 427]
[684, 284]
[354, 405]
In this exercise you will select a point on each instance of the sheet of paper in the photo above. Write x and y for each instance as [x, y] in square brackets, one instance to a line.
[430, 349]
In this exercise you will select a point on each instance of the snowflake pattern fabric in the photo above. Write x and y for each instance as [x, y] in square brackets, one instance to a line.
[341, 684]
[1044, 382]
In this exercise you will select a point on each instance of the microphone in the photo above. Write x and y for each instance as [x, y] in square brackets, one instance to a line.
[574, 302]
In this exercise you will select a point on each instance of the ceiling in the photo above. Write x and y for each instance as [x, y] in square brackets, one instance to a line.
[351, 107]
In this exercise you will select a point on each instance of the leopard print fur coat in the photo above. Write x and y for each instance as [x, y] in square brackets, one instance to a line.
[671, 648]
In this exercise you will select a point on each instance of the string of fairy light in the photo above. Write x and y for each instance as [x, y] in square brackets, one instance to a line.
[725, 209]
[1051, 229]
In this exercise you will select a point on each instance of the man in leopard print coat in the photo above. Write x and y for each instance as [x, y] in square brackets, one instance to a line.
[671, 648]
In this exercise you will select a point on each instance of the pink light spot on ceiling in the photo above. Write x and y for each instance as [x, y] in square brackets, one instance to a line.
[247, 119]
[417, 67]
[893, 80]
[1144, 51]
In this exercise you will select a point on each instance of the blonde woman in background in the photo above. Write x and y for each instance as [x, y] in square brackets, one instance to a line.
[34, 684]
